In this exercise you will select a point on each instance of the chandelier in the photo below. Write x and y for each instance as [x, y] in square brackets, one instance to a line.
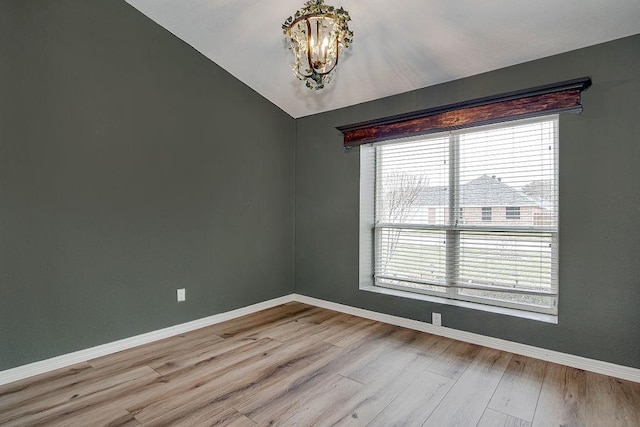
[317, 34]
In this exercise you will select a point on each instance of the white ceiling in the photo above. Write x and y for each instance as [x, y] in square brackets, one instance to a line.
[398, 45]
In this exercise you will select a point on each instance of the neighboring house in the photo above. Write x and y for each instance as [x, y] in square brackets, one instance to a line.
[484, 201]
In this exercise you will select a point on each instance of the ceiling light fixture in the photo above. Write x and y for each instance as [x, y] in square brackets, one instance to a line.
[317, 34]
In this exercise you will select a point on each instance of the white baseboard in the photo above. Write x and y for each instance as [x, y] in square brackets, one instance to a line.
[600, 367]
[597, 366]
[62, 361]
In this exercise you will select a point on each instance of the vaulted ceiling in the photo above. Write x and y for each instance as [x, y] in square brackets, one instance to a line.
[398, 45]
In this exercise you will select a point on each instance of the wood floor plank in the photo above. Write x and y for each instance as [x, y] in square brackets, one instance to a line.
[177, 382]
[263, 382]
[468, 398]
[413, 406]
[100, 415]
[297, 364]
[232, 381]
[155, 356]
[360, 353]
[209, 415]
[194, 379]
[611, 401]
[492, 418]
[314, 408]
[139, 353]
[21, 392]
[519, 389]
[395, 372]
[57, 407]
[285, 379]
[326, 331]
[455, 360]
[292, 330]
[562, 398]
[408, 345]
[254, 323]
[272, 411]
[221, 354]
[353, 333]
[316, 324]
[319, 316]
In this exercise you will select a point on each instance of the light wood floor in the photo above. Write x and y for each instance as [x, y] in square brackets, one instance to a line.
[297, 365]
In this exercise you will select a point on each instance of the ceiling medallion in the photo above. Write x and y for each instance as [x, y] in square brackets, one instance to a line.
[317, 34]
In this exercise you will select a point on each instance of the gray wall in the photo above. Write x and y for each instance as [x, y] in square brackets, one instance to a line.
[130, 166]
[599, 196]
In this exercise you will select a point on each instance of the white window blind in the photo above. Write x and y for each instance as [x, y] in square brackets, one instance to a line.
[471, 214]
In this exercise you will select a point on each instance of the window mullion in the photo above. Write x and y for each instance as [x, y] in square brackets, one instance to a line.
[453, 234]
[502, 249]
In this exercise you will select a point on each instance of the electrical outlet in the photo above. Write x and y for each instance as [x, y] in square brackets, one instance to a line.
[181, 295]
[436, 319]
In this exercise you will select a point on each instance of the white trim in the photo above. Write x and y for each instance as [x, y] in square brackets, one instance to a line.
[597, 366]
[62, 361]
[579, 362]
[388, 289]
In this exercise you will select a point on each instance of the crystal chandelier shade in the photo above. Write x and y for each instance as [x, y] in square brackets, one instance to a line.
[317, 35]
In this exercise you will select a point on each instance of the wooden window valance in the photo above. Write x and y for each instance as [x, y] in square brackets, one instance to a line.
[549, 99]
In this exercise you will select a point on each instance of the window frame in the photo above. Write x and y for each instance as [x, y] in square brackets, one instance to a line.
[486, 213]
[512, 213]
[456, 228]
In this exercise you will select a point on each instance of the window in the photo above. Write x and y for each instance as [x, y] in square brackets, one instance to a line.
[486, 213]
[423, 244]
[512, 212]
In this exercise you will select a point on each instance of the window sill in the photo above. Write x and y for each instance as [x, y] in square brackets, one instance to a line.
[540, 317]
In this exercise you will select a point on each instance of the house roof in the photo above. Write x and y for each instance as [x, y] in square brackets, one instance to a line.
[482, 191]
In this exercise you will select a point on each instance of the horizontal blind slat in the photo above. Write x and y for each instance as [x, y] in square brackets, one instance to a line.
[505, 219]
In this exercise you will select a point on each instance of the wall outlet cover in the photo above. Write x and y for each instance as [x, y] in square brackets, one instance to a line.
[436, 319]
